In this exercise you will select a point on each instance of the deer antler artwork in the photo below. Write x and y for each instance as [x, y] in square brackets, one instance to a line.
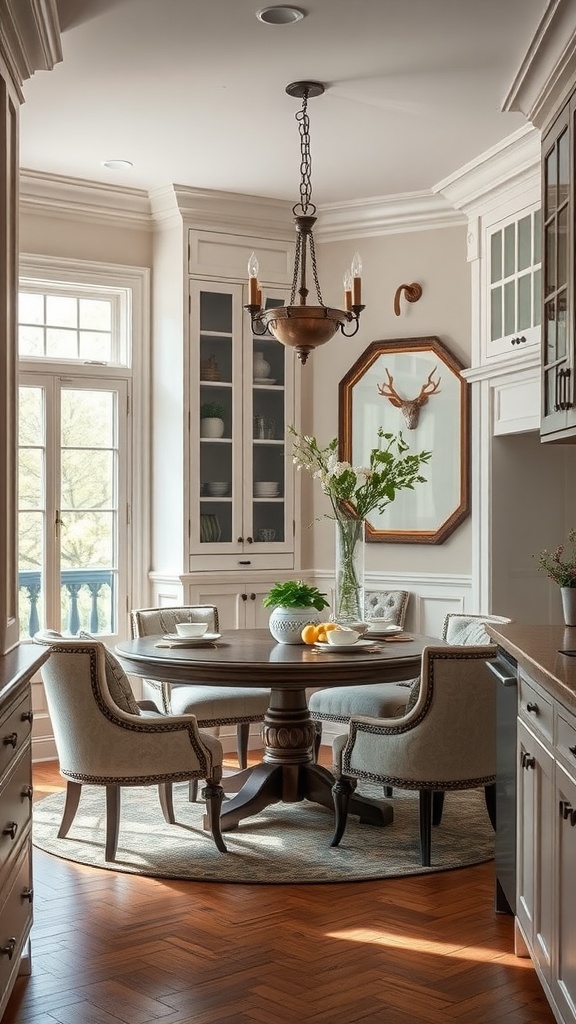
[410, 406]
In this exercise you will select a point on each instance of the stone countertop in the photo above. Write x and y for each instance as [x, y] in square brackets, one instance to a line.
[537, 649]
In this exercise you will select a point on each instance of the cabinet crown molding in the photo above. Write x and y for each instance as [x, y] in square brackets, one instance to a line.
[547, 74]
[29, 38]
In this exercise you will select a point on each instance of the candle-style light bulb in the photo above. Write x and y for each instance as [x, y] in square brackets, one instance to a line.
[253, 286]
[347, 290]
[356, 270]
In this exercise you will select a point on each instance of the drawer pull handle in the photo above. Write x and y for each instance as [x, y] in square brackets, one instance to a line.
[11, 830]
[8, 949]
[567, 812]
[11, 739]
[28, 791]
[27, 716]
[572, 750]
[28, 894]
[532, 707]
[528, 761]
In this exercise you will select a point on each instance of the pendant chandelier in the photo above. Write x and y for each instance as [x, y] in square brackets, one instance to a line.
[298, 325]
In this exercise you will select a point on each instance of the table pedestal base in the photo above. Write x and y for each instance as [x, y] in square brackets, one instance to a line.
[288, 772]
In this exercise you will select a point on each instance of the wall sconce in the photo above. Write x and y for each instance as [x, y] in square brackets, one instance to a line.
[412, 293]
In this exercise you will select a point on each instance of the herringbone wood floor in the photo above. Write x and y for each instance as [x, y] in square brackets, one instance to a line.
[119, 949]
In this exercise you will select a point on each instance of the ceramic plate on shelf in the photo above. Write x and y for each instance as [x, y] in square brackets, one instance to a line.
[264, 380]
[382, 630]
[191, 641]
[360, 645]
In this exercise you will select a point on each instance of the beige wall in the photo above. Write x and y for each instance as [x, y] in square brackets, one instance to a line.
[436, 259]
[85, 240]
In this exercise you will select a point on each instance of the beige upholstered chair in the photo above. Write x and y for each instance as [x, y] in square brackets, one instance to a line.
[212, 705]
[103, 738]
[446, 741]
[386, 700]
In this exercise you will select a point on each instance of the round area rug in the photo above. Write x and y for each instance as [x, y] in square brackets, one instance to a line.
[286, 843]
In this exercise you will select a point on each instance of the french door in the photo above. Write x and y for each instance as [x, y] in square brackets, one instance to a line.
[74, 509]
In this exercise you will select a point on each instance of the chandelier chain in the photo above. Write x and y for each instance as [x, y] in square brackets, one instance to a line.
[306, 205]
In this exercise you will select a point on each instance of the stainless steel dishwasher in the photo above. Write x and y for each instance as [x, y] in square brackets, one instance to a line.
[505, 668]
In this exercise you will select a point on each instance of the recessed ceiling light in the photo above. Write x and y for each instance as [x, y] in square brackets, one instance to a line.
[280, 15]
[118, 165]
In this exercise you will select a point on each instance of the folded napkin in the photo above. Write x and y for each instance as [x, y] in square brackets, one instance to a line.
[400, 638]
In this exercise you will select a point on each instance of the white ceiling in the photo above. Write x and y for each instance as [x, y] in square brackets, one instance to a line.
[193, 93]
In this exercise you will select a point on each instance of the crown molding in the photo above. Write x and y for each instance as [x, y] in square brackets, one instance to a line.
[29, 38]
[217, 211]
[52, 195]
[547, 74]
[513, 164]
[385, 215]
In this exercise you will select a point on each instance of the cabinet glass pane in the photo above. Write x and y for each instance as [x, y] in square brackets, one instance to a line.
[509, 308]
[549, 391]
[525, 243]
[550, 191]
[561, 276]
[561, 325]
[496, 257]
[537, 236]
[509, 250]
[215, 358]
[215, 312]
[563, 168]
[537, 296]
[496, 313]
[550, 251]
[550, 331]
[524, 302]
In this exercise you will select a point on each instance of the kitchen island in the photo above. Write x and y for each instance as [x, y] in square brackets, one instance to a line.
[545, 905]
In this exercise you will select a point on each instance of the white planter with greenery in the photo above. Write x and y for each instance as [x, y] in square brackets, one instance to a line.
[211, 420]
[294, 604]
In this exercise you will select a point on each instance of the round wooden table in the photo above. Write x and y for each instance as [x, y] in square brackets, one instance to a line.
[252, 657]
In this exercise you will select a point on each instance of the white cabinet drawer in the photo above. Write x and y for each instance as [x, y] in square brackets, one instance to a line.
[566, 740]
[535, 709]
[15, 730]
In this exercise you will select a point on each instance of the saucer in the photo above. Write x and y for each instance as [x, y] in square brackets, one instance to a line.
[264, 380]
[358, 645]
[382, 630]
[175, 638]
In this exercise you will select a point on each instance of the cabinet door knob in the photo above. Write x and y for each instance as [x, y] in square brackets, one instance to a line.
[28, 894]
[27, 791]
[572, 750]
[249, 540]
[240, 540]
[26, 716]
[567, 812]
[532, 707]
[11, 829]
[244, 597]
[252, 597]
[8, 949]
[11, 739]
[528, 761]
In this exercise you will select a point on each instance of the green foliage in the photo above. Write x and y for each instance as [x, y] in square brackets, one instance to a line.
[562, 572]
[211, 410]
[295, 594]
[356, 491]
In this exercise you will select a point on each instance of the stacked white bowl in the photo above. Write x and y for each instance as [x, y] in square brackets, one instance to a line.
[218, 488]
[266, 488]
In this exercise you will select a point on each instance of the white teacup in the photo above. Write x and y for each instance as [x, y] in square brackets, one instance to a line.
[191, 629]
[336, 637]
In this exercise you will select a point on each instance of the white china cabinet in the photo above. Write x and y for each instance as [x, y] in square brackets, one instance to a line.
[223, 522]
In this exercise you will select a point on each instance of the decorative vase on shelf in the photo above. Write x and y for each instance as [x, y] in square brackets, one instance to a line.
[349, 571]
[568, 595]
[260, 367]
[286, 624]
[211, 426]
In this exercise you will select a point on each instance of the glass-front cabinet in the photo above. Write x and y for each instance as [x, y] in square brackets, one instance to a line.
[558, 356]
[241, 404]
[513, 287]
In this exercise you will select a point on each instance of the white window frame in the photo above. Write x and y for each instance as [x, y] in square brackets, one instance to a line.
[134, 282]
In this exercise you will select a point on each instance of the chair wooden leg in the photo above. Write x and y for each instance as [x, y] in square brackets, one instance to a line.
[214, 795]
[73, 791]
[242, 737]
[193, 790]
[490, 801]
[112, 821]
[166, 801]
[437, 806]
[341, 793]
[425, 826]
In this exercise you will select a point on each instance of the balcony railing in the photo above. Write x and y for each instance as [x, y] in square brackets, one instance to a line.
[73, 581]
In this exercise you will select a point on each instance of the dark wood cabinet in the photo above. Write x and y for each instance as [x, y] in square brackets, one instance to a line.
[558, 414]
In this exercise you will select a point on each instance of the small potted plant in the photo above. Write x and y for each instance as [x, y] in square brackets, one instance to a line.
[294, 604]
[560, 566]
[211, 419]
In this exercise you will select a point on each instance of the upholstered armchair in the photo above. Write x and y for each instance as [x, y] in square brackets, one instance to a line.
[445, 741]
[381, 700]
[212, 705]
[103, 738]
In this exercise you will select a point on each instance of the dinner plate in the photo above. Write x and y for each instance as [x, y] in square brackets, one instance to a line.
[383, 630]
[264, 380]
[359, 645]
[176, 638]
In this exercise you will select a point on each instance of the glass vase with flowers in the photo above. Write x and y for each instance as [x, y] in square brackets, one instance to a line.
[355, 492]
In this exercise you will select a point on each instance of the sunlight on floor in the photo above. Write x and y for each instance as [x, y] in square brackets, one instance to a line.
[477, 953]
